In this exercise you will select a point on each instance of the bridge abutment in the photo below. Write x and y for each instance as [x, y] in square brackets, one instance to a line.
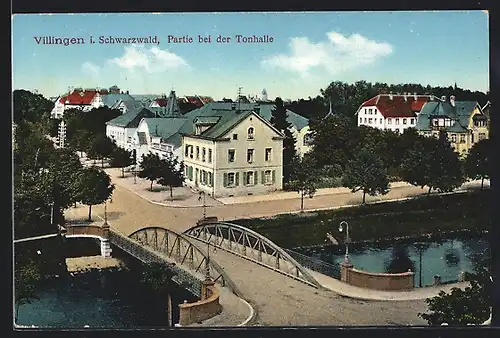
[105, 248]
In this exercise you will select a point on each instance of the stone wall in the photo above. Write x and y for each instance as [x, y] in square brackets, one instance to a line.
[376, 281]
[203, 309]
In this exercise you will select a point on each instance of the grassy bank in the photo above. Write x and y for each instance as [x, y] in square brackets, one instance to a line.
[422, 215]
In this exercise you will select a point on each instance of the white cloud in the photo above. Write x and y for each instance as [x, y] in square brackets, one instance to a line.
[90, 69]
[151, 60]
[337, 54]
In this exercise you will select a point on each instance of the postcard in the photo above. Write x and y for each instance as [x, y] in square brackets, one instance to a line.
[251, 169]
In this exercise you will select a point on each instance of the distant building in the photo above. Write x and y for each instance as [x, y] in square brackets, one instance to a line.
[463, 121]
[112, 100]
[83, 99]
[395, 112]
[123, 128]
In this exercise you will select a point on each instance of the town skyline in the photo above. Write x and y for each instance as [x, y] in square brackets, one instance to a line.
[388, 47]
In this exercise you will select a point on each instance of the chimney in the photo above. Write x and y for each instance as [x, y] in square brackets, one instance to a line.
[415, 96]
[452, 100]
[390, 95]
[443, 98]
[405, 97]
[127, 92]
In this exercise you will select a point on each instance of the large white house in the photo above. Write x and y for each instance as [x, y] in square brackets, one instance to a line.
[84, 99]
[230, 152]
[393, 112]
[122, 129]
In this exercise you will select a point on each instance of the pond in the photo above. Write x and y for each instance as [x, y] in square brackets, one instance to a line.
[446, 257]
[110, 298]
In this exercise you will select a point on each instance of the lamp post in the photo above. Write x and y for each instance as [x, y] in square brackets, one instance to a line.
[106, 211]
[203, 195]
[420, 248]
[341, 228]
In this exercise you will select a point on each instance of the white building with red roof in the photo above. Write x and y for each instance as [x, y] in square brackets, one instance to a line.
[84, 99]
[395, 112]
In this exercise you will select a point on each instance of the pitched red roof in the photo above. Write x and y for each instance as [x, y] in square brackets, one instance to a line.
[161, 102]
[78, 97]
[194, 100]
[398, 106]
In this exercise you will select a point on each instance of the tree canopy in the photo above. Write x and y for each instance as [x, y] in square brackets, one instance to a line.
[150, 168]
[305, 177]
[31, 107]
[95, 187]
[171, 173]
[279, 120]
[477, 163]
[121, 158]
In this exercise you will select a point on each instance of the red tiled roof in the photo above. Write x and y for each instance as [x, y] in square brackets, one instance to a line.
[398, 106]
[194, 100]
[161, 102]
[206, 99]
[78, 97]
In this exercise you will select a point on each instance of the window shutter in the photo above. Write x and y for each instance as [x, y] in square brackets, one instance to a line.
[237, 179]
[263, 177]
[210, 179]
[244, 178]
[255, 177]
[225, 179]
[274, 176]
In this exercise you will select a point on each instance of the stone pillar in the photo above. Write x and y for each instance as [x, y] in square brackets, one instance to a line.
[205, 288]
[105, 231]
[105, 248]
[345, 272]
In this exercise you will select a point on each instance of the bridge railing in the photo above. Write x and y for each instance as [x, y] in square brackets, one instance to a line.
[315, 264]
[182, 278]
[86, 229]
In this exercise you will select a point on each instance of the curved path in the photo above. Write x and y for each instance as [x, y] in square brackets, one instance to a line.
[278, 299]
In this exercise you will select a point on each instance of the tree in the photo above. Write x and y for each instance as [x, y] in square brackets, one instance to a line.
[95, 187]
[121, 158]
[102, 147]
[150, 168]
[367, 173]
[280, 122]
[461, 307]
[31, 107]
[305, 178]
[159, 279]
[433, 163]
[477, 164]
[171, 173]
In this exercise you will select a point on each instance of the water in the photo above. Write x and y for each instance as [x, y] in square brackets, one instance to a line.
[446, 258]
[107, 299]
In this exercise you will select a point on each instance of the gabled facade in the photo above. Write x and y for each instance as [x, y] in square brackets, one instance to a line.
[233, 153]
[123, 128]
[159, 136]
[83, 99]
[112, 100]
[393, 112]
[128, 105]
[463, 121]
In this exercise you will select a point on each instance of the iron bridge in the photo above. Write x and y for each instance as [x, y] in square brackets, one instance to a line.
[252, 246]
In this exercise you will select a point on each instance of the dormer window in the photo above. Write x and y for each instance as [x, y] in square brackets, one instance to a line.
[250, 133]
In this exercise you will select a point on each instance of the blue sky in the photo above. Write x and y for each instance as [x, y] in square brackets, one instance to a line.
[309, 50]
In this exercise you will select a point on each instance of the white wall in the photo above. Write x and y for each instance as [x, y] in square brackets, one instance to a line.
[375, 119]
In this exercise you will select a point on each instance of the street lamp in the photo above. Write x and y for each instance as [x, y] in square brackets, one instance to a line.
[341, 228]
[420, 247]
[202, 193]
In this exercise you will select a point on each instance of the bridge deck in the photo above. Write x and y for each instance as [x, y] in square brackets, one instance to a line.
[281, 300]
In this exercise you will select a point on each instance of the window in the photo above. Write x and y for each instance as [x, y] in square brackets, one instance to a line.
[268, 178]
[397, 121]
[250, 155]
[190, 173]
[210, 179]
[230, 155]
[370, 111]
[204, 177]
[389, 121]
[412, 121]
[231, 179]
[203, 154]
[454, 138]
[441, 122]
[250, 133]
[365, 119]
[404, 121]
[462, 138]
[268, 154]
[366, 110]
[197, 153]
[435, 122]
[380, 121]
[360, 120]
[482, 136]
[235, 136]
[308, 139]
[249, 178]
[191, 151]
[209, 155]
[370, 120]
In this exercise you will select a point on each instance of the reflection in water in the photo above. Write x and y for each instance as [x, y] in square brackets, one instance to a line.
[400, 261]
[446, 257]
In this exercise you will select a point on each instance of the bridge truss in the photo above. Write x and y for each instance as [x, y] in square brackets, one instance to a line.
[251, 245]
[163, 244]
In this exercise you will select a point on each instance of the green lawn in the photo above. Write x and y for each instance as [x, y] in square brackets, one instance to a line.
[419, 216]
